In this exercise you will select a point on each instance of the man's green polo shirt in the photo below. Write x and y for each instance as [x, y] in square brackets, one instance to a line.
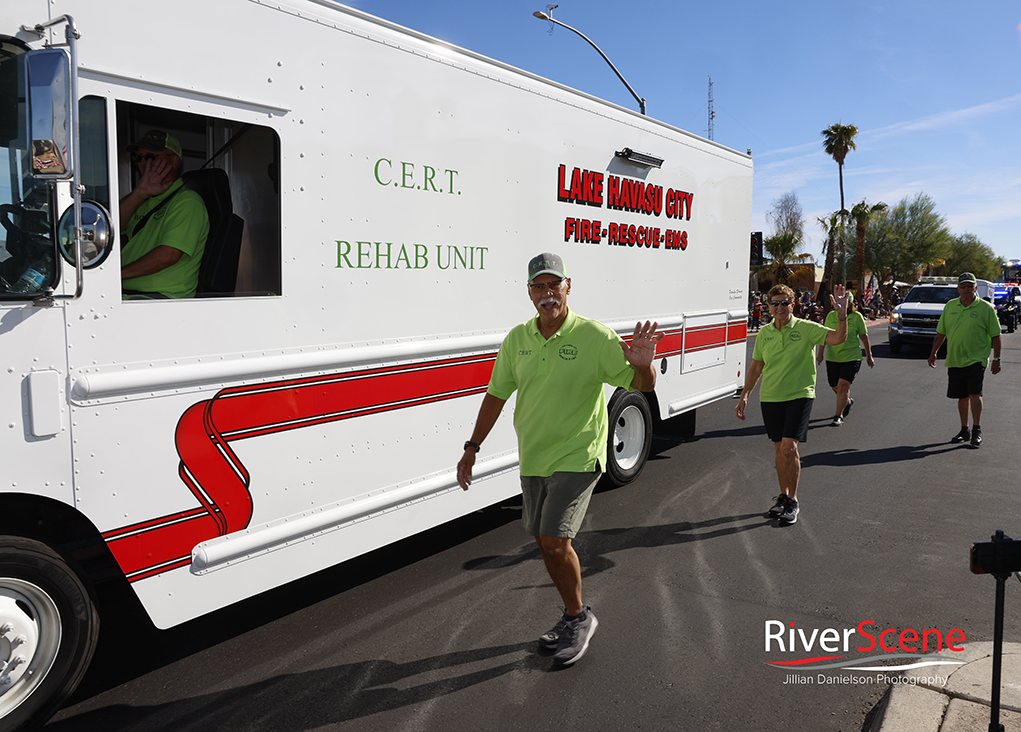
[969, 331]
[183, 224]
[560, 413]
[849, 350]
[789, 358]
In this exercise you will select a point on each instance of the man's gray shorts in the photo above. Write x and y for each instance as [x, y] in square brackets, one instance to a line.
[556, 506]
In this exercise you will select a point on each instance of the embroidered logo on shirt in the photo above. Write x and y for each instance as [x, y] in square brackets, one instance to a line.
[795, 336]
[568, 352]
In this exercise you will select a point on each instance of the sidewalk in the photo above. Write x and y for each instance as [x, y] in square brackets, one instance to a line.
[961, 704]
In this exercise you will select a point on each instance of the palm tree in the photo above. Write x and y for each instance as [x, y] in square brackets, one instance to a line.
[861, 214]
[783, 250]
[838, 140]
[830, 226]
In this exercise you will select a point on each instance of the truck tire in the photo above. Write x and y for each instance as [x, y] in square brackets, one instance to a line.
[630, 436]
[895, 346]
[48, 632]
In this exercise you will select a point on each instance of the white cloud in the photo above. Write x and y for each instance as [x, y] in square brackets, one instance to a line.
[943, 120]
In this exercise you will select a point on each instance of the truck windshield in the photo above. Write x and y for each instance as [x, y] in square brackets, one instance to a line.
[27, 263]
[940, 295]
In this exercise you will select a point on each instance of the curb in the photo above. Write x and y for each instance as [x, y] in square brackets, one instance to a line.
[961, 702]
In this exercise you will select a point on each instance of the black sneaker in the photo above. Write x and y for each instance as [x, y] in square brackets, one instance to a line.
[837, 421]
[790, 514]
[847, 409]
[963, 436]
[550, 638]
[779, 506]
[575, 638]
[976, 436]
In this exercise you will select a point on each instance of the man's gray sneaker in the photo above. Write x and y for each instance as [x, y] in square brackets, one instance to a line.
[963, 436]
[779, 506]
[837, 421]
[550, 638]
[790, 514]
[575, 638]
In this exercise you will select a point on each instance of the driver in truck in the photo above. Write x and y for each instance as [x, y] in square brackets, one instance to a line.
[164, 224]
[558, 362]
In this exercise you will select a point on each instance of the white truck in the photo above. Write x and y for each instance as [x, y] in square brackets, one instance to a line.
[914, 320]
[375, 195]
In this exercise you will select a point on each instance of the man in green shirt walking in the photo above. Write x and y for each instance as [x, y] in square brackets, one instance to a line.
[558, 362]
[970, 327]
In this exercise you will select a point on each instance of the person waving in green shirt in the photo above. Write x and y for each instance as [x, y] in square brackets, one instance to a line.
[558, 362]
[844, 361]
[784, 359]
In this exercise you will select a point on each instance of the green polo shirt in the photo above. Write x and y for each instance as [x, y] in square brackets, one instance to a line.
[182, 224]
[969, 331]
[849, 350]
[788, 356]
[560, 413]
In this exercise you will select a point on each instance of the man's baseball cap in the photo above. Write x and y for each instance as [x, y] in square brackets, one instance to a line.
[546, 263]
[965, 277]
[157, 141]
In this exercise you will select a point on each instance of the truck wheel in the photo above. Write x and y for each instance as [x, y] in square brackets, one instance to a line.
[48, 632]
[895, 346]
[630, 436]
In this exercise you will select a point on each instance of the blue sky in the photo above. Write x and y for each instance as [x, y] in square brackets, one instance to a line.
[934, 88]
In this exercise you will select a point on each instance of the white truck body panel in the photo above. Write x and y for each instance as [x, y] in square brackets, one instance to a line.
[225, 446]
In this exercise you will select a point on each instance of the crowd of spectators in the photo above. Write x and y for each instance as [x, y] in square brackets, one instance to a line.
[809, 306]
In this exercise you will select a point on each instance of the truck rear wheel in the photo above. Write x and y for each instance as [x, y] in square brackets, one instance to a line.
[48, 632]
[630, 436]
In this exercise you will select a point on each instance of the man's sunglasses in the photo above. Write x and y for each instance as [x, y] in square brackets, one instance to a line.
[779, 303]
[136, 158]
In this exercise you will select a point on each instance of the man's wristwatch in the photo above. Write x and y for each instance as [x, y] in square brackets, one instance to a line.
[474, 445]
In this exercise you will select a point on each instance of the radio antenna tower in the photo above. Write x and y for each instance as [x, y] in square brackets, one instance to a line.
[712, 112]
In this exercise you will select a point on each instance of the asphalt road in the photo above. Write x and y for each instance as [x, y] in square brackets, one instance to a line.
[681, 567]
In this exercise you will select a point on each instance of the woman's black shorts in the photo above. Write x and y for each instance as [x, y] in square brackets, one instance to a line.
[787, 419]
[837, 370]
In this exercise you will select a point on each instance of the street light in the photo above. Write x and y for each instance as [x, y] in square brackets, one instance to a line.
[546, 16]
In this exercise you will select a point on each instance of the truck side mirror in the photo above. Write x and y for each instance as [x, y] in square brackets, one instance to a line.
[96, 235]
[48, 82]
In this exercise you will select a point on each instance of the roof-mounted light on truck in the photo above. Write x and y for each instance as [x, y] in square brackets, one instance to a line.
[640, 158]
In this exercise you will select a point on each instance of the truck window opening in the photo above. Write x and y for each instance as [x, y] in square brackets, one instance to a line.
[248, 187]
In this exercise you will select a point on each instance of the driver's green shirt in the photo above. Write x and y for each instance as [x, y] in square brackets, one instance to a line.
[560, 411]
[182, 224]
[969, 332]
[788, 357]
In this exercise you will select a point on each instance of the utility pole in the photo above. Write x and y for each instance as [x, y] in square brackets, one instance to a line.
[712, 112]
